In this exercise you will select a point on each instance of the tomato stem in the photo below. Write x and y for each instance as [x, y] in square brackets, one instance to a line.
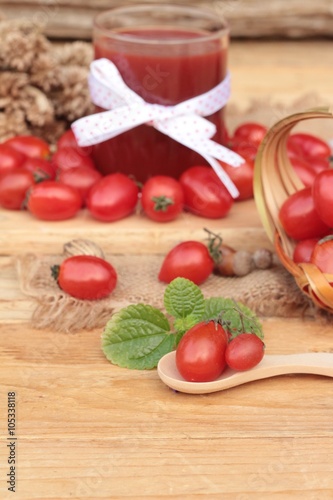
[161, 203]
[55, 272]
[214, 244]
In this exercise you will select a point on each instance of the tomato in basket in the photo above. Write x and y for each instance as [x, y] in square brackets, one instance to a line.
[303, 250]
[323, 196]
[299, 217]
[308, 146]
[322, 255]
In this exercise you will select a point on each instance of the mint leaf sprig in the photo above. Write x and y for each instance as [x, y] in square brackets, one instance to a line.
[139, 335]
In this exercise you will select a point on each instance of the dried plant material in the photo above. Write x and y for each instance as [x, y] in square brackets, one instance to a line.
[43, 87]
[82, 247]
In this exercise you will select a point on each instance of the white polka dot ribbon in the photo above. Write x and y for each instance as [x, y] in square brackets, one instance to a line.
[183, 122]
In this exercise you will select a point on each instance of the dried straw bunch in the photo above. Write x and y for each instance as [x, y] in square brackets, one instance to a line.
[43, 87]
[275, 180]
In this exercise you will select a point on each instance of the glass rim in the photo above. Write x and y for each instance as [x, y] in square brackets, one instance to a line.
[223, 28]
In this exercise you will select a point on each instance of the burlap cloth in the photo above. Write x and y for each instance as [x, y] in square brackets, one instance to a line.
[269, 293]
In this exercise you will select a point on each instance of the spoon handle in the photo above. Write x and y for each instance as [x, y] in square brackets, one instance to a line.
[317, 363]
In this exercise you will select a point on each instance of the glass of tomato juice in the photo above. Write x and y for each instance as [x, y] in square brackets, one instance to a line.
[166, 54]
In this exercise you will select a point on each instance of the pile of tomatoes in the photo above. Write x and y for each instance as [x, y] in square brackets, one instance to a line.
[55, 186]
[207, 349]
[307, 215]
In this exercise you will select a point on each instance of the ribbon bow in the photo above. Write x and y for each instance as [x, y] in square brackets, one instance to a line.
[183, 122]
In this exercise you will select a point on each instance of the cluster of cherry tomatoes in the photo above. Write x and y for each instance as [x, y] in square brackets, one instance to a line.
[207, 349]
[307, 215]
[55, 186]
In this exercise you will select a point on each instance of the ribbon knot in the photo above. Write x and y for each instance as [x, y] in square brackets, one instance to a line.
[184, 122]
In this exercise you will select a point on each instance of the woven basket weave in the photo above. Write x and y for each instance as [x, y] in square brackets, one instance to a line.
[274, 181]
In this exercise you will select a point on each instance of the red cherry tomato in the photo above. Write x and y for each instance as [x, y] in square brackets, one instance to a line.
[322, 191]
[41, 168]
[10, 159]
[303, 250]
[81, 179]
[300, 219]
[303, 170]
[86, 277]
[68, 157]
[29, 145]
[204, 193]
[68, 139]
[189, 259]
[245, 149]
[200, 355]
[13, 188]
[113, 197]
[322, 255]
[162, 198]
[244, 351]
[242, 177]
[308, 146]
[52, 200]
[251, 132]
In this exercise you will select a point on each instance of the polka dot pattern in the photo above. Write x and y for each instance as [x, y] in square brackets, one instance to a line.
[183, 122]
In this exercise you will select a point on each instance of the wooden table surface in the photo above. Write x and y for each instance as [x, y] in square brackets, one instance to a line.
[88, 430]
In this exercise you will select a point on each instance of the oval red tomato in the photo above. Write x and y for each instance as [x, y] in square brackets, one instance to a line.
[86, 277]
[244, 352]
[200, 355]
[322, 191]
[68, 157]
[41, 169]
[322, 255]
[189, 259]
[30, 145]
[303, 170]
[10, 159]
[308, 146]
[303, 250]
[242, 177]
[81, 179]
[250, 132]
[204, 193]
[299, 217]
[68, 139]
[52, 200]
[113, 197]
[162, 198]
[14, 187]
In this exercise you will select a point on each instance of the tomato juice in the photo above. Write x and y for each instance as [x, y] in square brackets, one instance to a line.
[164, 65]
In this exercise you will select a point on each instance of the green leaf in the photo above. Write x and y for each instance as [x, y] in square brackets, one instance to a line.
[137, 337]
[182, 325]
[183, 298]
[233, 316]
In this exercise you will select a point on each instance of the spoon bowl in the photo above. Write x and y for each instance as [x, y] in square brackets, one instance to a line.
[320, 363]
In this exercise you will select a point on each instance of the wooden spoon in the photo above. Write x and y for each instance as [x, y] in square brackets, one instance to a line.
[320, 363]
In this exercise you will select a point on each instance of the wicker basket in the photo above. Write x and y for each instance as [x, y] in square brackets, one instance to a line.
[274, 181]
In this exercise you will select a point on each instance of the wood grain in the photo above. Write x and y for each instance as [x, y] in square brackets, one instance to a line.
[251, 19]
[88, 430]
